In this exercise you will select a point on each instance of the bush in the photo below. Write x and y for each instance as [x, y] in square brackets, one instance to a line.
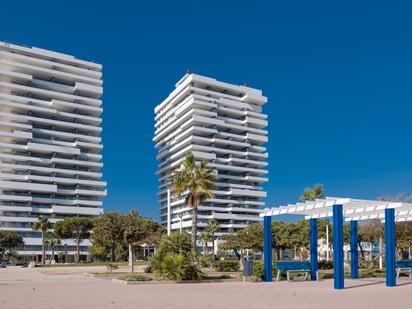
[180, 267]
[363, 264]
[257, 270]
[204, 261]
[226, 265]
[133, 277]
[323, 265]
[174, 259]
[148, 269]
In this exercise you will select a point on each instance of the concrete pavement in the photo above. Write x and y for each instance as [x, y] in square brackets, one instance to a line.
[69, 288]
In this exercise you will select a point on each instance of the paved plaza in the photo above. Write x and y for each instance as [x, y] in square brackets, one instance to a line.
[71, 288]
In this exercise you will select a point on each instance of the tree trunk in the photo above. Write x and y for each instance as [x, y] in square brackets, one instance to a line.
[361, 250]
[78, 250]
[213, 244]
[112, 258]
[380, 253]
[52, 256]
[43, 260]
[194, 227]
[130, 255]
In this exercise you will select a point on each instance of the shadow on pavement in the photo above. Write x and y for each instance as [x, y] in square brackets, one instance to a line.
[404, 283]
[364, 282]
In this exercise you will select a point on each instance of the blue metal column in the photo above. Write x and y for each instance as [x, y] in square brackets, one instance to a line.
[390, 239]
[354, 255]
[267, 248]
[313, 248]
[338, 266]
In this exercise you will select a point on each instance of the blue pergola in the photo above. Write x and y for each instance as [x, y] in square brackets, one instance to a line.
[341, 210]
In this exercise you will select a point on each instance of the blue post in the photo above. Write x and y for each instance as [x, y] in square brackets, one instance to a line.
[338, 266]
[390, 245]
[267, 248]
[313, 248]
[354, 255]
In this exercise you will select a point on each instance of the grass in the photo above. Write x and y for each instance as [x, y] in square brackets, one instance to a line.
[363, 273]
[134, 277]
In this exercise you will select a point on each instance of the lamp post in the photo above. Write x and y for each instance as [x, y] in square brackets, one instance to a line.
[169, 225]
[180, 218]
[327, 242]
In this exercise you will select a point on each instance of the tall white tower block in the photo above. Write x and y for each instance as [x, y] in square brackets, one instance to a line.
[50, 142]
[224, 125]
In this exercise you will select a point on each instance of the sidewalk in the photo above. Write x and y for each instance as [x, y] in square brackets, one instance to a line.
[71, 289]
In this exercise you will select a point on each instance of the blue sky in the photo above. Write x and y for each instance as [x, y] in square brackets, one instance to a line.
[337, 75]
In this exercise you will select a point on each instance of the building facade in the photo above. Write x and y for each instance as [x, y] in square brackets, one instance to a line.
[222, 124]
[50, 142]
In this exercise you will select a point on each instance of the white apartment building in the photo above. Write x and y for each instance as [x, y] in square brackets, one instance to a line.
[224, 125]
[50, 142]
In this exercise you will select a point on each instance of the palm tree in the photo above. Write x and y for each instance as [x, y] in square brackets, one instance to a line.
[196, 182]
[43, 225]
[205, 238]
[212, 229]
[52, 241]
[313, 193]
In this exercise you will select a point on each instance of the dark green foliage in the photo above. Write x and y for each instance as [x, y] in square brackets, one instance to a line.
[148, 269]
[175, 243]
[174, 259]
[43, 225]
[313, 193]
[8, 242]
[108, 230]
[76, 228]
[363, 264]
[179, 267]
[204, 261]
[325, 265]
[195, 182]
[226, 265]
[257, 270]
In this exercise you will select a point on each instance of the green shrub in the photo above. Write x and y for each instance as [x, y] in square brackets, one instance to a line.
[325, 265]
[226, 265]
[148, 269]
[180, 267]
[133, 277]
[363, 264]
[204, 261]
[257, 270]
[174, 259]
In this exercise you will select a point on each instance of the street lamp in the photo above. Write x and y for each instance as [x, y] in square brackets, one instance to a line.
[168, 184]
[180, 217]
[327, 242]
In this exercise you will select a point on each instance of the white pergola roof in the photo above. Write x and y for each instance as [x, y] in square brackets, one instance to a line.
[353, 209]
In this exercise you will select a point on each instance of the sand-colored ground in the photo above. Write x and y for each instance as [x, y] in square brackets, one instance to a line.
[70, 288]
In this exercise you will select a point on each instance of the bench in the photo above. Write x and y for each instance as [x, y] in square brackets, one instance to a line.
[293, 267]
[405, 266]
